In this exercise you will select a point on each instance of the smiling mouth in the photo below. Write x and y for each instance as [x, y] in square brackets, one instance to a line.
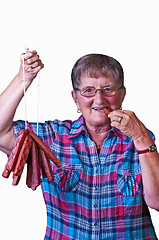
[98, 109]
[105, 110]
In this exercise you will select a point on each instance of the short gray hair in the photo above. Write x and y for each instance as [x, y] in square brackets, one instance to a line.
[96, 65]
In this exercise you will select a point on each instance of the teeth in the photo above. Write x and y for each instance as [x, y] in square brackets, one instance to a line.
[98, 108]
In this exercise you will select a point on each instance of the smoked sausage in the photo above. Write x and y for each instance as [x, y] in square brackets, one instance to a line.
[23, 155]
[46, 149]
[15, 153]
[35, 166]
[45, 166]
[29, 170]
[16, 180]
[107, 110]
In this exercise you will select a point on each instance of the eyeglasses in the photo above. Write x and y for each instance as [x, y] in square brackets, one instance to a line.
[91, 91]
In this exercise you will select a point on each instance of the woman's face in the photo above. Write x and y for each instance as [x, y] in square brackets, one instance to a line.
[92, 107]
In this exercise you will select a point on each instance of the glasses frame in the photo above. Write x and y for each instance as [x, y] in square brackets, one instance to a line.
[96, 89]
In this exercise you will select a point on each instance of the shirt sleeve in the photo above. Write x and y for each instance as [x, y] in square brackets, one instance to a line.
[152, 135]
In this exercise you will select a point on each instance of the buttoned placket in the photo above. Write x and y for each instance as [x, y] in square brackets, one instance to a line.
[99, 172]
[96, 203]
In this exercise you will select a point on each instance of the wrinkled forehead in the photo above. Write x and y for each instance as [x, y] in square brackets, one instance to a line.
[96, 73]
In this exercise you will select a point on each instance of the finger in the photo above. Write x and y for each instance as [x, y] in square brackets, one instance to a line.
[32, 59]
[115, 118]
[25, 56]
[34, 52]
[36, 70]
[29, 56]
[36, 64]
[115, 112]
[117, 125]
[33, 70]
[36, 67]
[114, 115]
[119, 120]
[33, 65]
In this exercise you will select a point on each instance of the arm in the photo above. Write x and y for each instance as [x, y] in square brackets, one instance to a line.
[131, 126]
[12, 95]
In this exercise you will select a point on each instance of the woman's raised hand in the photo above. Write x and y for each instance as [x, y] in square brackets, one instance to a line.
[32, 65]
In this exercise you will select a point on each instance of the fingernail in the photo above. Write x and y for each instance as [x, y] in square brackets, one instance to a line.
[29, 54]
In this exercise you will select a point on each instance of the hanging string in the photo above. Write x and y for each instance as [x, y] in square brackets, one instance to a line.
[38, 95]
[38, 102]
[25, 112]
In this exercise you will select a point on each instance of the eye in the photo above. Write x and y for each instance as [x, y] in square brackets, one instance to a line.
[107, 89]
[88, 90]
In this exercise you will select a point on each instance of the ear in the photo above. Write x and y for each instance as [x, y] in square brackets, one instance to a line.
[123, 94]
[74, 96]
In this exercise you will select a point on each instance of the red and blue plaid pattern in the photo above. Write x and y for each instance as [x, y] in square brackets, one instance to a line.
[93, 197]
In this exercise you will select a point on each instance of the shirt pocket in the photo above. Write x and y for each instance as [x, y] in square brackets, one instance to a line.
[67, 177]
[129, 182]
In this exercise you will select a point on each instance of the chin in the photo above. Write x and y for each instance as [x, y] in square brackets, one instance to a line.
[100, 121]
[100, 117]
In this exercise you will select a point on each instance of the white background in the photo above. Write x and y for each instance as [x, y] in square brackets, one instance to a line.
[62, 31]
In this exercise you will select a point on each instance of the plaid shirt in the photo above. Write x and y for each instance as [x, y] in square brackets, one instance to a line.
[93, 197]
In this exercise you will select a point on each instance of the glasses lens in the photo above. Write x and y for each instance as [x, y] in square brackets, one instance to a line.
[109, 91]
[88, 92]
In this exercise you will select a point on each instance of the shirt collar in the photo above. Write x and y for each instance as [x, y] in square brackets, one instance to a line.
[78, 127]
[119, 134]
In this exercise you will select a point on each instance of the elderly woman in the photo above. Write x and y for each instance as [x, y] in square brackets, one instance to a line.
[110, 164]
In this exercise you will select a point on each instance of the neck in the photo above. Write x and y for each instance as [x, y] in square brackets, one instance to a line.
[98, 134]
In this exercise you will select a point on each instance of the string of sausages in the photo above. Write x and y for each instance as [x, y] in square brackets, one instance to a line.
[29, 148]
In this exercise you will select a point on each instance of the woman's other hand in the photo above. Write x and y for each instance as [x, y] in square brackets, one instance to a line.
[128, 123]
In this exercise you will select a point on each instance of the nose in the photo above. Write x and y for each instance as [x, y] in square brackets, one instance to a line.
[99, 97]
[98, 89]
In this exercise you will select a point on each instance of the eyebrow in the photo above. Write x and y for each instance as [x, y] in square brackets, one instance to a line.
[108, 85]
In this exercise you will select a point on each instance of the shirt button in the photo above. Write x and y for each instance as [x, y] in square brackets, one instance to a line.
[95, 205]
[96, 187]
[95, 224]
[97, 171]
